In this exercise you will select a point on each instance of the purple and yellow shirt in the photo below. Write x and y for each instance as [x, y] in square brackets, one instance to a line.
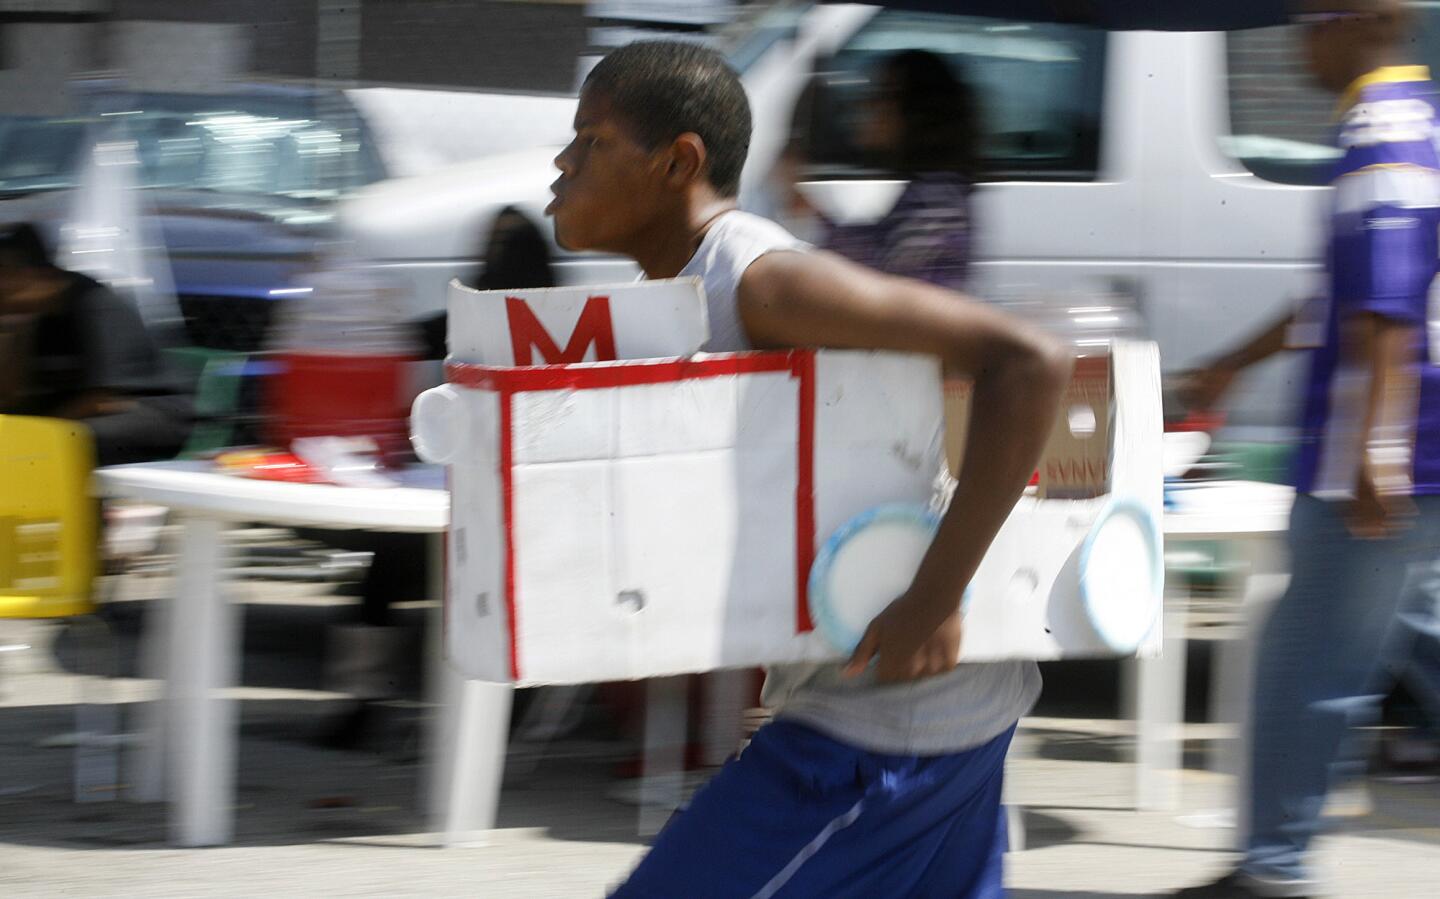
[1382, 260]
[926, 235]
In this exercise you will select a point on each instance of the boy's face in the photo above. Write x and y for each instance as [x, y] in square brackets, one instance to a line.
[610, 186]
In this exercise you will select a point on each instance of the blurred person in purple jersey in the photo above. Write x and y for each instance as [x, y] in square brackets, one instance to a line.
[920, 123]
[1367, 474]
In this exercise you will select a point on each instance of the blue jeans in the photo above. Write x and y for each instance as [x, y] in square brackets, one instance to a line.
[1320, 659]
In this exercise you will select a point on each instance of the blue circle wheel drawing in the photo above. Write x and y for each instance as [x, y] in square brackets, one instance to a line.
[867, 563]
[1122, 595]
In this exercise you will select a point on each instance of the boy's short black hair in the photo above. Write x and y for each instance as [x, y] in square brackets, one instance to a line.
[663, 89]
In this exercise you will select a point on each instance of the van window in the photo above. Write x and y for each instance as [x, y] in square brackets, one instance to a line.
[1280, 123]
[1040, 88]
[272, 144]
[38, 154]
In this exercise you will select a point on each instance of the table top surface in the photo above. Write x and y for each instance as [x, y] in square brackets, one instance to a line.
[1224, 509]
[419, 504]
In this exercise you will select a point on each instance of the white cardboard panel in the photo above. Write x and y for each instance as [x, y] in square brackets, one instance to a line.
[476, 619]
[768, 410]
[648, 320]
[705, 535]
[564, 548]
[890, 393]
[676, 519]
[565, 426]
[879, 435]
[665, 419]
[1022, 595]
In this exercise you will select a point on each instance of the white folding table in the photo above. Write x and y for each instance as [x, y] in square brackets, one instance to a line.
[188, 752]
[1254, 518]
[191, 732]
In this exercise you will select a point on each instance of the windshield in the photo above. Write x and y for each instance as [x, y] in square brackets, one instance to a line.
[279, 146]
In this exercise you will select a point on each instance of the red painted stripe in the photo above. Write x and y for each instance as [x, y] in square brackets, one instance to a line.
[602, 375]
[805, 492]
[800, 364]
[507, 499]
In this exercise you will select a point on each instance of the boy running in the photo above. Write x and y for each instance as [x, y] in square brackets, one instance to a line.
[880, 777]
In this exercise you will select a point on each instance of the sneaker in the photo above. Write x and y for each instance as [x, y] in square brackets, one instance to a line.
[1237, 885]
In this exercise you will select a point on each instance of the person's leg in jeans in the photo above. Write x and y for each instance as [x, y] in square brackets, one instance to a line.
[1320, 652]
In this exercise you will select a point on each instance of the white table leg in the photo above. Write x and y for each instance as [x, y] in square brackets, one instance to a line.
[201, 744]
[663, 765]
[726, 694]
[145, 763]
[1160, 714]
[1015, 828]
[97, 717]
[467, 736]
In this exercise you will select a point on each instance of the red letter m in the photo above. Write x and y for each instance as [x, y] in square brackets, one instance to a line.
[592, 328]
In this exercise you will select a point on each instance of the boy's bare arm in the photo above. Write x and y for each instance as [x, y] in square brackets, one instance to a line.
[1204, 388]
[1019, 374]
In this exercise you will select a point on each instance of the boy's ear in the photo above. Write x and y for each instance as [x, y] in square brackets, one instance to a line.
[687, 161]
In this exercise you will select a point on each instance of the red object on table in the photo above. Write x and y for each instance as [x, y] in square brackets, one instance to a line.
[269, 465]
[332, 394]
[1208, 422]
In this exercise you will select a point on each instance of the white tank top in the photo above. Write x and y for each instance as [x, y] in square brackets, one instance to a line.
[734, 241]
[949, 713]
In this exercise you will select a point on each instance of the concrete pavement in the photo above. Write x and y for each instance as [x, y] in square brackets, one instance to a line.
[315, 822]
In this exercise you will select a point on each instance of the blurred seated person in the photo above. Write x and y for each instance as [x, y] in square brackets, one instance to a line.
[516, 255]
[920, 123]
[72, 348]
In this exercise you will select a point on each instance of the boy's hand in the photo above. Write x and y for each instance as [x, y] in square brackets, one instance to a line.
[909, 643]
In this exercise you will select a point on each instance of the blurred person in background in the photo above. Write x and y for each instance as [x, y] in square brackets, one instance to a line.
[921, 123]
[1368, 468]
[515, 255]
[365, 658]
[72, 348]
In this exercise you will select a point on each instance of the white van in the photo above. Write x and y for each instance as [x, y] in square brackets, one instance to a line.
[1179, 168]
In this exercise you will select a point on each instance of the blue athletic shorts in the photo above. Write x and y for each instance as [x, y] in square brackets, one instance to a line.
[802, 816]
